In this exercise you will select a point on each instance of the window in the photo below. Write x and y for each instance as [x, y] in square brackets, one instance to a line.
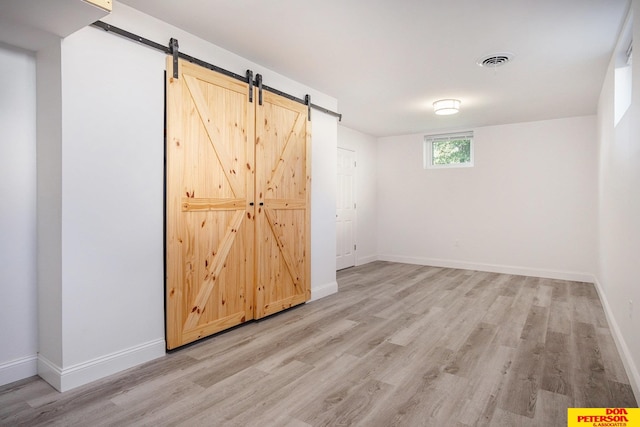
[622, 73]
[451, 150]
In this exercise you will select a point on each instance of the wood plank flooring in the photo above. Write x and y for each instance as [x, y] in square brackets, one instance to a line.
[398, 345]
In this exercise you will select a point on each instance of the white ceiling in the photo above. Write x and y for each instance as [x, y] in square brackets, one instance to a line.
[387, 61]
[34, 24]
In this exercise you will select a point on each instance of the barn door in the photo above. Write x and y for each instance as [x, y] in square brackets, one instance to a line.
[283, 183]
[209, 216]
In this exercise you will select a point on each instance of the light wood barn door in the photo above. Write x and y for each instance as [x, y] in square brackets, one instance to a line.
[209, 219]
[283, 184]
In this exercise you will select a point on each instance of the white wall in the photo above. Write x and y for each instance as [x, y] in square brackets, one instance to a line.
[619, 216]
[324, 170]
[112, 201]
[49, 209]
[527, 206]
[365, 147]
[18, 303]
[111, 304]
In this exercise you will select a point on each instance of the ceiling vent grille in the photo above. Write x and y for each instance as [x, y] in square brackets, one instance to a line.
[495, 60]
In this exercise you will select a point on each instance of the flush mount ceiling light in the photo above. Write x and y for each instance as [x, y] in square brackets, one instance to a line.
[445, 107]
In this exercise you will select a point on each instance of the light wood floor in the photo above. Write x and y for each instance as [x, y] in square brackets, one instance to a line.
[399, 345]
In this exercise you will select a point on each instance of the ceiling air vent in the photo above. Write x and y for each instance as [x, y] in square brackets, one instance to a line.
[495, 59]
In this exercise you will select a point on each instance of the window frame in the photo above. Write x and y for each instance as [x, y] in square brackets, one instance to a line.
[428, 149]
[623, 72]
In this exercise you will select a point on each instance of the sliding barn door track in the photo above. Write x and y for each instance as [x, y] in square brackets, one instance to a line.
[173, 50]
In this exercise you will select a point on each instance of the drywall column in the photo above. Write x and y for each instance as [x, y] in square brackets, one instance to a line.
[99, 208]
[324, 129]
[49, 212]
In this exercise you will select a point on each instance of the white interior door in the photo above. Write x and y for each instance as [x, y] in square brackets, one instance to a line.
[346, 210]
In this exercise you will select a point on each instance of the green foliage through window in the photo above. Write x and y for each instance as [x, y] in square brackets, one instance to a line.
[448, 150]
[451, 152]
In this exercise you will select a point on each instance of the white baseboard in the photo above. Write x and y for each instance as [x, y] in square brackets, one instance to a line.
[63, 379]
[322, 291]
[18, 369]
[493, 268]
[623, 349]
[366, 259]
[50, 372]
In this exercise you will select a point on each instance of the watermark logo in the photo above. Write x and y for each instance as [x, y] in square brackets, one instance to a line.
[603, 417]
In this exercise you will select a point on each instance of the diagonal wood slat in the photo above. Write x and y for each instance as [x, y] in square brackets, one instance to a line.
[213, 133]
[284, 249]
[214, 271]
[287, 151]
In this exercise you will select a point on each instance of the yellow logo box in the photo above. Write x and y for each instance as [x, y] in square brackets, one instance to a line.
[603, 417]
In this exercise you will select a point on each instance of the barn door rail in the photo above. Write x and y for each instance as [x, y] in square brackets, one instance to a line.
[173, 50]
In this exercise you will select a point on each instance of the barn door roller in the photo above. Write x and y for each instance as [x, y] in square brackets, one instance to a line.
[173, 47]
[259, 84]
[250, 81]
[307, 102]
